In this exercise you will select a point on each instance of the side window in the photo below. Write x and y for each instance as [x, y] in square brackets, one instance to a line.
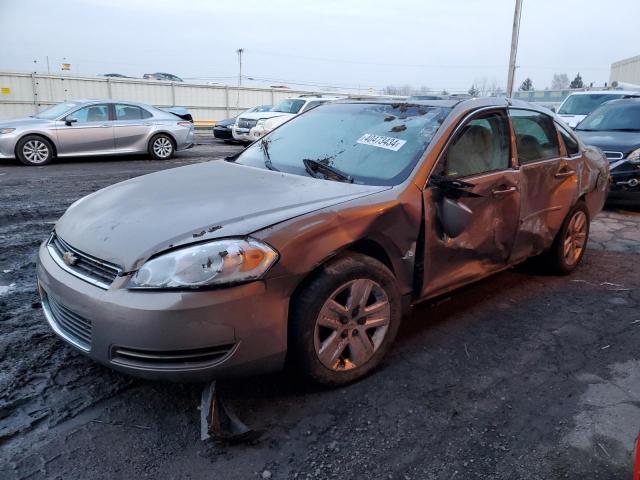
[483, 145]
[130, 112]
[92, 113]
[573, 147]
[536, 136]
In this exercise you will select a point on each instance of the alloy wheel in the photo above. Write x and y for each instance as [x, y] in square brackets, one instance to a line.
[575, 238]
[162, 147]
[352, 325]
[36, 151]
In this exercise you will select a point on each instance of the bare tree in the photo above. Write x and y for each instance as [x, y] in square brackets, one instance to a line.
[560, 81]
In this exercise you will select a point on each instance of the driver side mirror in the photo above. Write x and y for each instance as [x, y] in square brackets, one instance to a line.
[553, 109]
[70, 120]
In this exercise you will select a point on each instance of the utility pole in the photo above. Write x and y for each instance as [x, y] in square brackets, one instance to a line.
[514, 47]
[48, 67]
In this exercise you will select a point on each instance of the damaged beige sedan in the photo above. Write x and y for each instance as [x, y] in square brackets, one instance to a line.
[310, 245]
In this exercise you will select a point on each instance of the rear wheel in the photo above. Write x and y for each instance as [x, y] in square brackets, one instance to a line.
[345, 320]
[161, 147]
[34, 150]
[569, 246]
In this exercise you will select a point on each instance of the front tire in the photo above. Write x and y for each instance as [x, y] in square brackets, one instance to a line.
[344, 320]
[568, 248]
[161, 147]
[34, 150]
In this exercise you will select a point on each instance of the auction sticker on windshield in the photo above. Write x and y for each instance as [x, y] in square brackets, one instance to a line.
[390, 143]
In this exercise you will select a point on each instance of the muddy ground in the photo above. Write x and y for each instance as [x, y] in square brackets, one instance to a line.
[519, 376]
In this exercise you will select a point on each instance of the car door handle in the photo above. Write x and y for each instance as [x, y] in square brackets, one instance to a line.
[564, 173]
[105, 126]
[503, 191]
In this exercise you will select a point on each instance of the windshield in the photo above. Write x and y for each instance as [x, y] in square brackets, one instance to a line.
[585, 104]
[612, 117]
[57, 110]
[373, 144]
[288, 106]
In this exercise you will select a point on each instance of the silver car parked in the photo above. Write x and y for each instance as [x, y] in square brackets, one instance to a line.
[95, 127]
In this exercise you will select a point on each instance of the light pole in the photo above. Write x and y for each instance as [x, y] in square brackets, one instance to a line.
[514, 47]
[240, 51]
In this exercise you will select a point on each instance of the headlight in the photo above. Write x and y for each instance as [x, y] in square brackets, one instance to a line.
[260, 123]
[634, 157]
[7, 130]
[214, 263]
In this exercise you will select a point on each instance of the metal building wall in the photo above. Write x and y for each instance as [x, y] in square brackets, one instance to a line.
[627, 71]
[23, 94]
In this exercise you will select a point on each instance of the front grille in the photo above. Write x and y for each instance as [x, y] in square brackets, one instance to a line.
[82, 265]
[246, 123]
[170, 359]
[69, 325]
[614, 155]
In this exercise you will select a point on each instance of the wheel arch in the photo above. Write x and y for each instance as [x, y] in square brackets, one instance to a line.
[54, 146]
[365, 246]
[155, 133]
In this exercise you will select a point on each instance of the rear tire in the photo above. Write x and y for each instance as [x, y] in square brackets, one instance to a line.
[161, 147]
[568, 248]
[344, 320]
[34, 150]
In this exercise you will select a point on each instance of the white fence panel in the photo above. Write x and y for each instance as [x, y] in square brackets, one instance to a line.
[24, 94]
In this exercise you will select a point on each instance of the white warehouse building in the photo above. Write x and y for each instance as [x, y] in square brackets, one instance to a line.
[626, 71]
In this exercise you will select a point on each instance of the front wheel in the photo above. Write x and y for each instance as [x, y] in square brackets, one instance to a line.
[34, 150]
[569, 246]
[345, 320]
[161, 147]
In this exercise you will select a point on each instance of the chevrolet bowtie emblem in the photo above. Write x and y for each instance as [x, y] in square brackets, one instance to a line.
[69, 258]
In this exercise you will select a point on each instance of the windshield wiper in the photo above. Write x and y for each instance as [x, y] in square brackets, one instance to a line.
[264, 145]
[314, 166]
[624, 130]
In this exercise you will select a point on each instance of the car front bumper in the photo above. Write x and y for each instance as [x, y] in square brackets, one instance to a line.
[625, 184]
[167, 335]
[223, 133]
[241, 134]
[8, 143]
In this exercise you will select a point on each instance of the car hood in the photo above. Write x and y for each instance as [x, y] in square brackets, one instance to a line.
[24, 122]
[128, 222]
[227, 122]
[624, 142]
[571, 120]
[260, 115]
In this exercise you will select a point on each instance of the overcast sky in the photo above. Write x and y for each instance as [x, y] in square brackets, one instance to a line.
[439, 44]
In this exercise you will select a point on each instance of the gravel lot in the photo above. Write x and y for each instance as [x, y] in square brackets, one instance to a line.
[518, 376]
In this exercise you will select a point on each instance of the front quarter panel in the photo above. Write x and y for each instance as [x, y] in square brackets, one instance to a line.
[390, 218]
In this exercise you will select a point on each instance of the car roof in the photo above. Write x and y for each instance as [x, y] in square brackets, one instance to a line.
[623, 101]
[606, 92]
[87, 101]
[468, 104]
